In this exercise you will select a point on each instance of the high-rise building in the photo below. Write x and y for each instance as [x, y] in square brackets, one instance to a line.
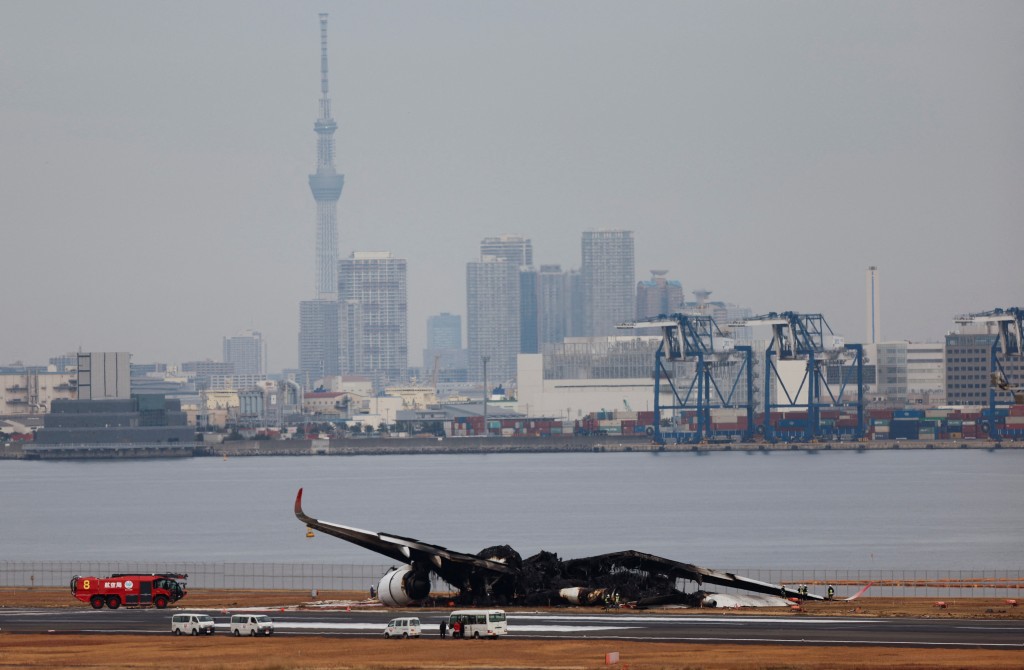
[374, 316]
[318, 334]
[577, 320]
[247, 352]
[511, 248]
[553, 305]
[609, 280]
[492, 310]
[319, 352]
[529, 311]
[444, 348]
[444, 331]
[658, 295]
[874, 312]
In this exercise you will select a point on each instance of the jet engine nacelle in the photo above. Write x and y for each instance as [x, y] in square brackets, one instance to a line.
[400, 587]
[577, 595]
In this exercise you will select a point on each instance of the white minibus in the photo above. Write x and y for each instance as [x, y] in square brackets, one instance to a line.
[478, 623]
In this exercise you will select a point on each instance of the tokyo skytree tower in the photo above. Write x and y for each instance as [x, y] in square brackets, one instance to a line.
[326, 186]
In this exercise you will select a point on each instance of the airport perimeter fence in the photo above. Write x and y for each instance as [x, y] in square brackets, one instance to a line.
[348, 577]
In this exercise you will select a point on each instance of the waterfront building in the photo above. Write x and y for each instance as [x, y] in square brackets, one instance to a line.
[31, 390]
[889, 360]
[609, 280]
[582, 375]
[968, 363]
[373, 306]
[138, 419]
[926, 373]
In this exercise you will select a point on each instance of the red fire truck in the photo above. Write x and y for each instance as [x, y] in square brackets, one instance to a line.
[130, 590]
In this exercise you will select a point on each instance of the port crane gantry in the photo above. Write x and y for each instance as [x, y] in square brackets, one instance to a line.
[798, 336]
[691, 338]
[1008, 324]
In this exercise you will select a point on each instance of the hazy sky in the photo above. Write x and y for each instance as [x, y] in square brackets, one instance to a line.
[154, 157]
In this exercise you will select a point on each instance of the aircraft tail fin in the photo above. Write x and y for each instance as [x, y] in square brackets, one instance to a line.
[858, 594]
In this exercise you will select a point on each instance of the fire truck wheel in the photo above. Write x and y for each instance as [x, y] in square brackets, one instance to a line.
[160, 602]
[96, 602]
[113, 602]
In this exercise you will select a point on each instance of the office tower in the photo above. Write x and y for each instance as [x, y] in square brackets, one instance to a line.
[609, 280]
[444, 348]
[658, 295]
[529, 316]
[576, 326]
[318, 319]
[553, 306]
[492, 310]
[319, 353]
[511, 248]
[444, 331]
[247, 352]
[372, 294]
[874, 313]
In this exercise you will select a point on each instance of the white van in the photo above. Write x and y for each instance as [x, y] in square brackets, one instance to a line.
[251, 624]
[478, 623]
[192, 624]
[403, 628]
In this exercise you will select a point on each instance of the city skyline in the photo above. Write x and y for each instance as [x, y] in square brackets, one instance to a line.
[770, 153]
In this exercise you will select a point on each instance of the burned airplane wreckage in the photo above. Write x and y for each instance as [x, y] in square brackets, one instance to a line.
[499, 575]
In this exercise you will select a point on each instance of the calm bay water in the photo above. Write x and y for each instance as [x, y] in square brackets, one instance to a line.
[949, 510]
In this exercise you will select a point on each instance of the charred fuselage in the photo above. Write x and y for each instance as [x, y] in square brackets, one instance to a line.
[499, 575]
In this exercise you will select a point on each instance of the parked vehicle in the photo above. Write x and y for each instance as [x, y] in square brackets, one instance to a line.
[403, 628]
[119, 589]
[479, 623]
[251, 624]
[192, 624]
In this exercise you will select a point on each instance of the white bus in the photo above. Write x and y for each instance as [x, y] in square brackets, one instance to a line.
[479, 623]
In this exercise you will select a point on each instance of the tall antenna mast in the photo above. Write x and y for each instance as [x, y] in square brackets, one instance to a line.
[326, 186]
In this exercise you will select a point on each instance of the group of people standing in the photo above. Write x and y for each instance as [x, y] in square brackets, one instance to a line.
[457, 628]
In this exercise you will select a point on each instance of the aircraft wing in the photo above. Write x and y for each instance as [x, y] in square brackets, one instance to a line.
[635, 560]
[403, 549]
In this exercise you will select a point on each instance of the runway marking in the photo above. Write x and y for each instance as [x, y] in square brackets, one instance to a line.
[679, 620]
[768, 640]
[535, 628]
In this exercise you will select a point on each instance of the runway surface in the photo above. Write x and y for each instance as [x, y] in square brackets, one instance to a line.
[733, 629]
